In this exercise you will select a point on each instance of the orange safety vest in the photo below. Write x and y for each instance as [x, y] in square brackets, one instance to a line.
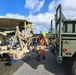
[42, 41]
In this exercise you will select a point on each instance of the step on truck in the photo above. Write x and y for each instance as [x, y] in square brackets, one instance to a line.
[63, 41]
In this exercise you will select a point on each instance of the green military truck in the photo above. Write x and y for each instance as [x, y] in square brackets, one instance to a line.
[64, 41]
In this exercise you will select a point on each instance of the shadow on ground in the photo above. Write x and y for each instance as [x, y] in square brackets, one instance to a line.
[50, 64]
[6, 69]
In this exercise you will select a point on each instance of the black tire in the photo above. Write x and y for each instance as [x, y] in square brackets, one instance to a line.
[74, 68]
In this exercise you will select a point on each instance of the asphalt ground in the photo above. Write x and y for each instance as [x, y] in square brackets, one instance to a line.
[30, 66]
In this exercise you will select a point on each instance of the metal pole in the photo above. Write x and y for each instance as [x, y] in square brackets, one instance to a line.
[18, 34]
[54, 1]
[25, 27]
[51, 30]
[60, 44]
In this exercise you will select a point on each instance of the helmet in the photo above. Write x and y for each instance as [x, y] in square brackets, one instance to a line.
[43, 34]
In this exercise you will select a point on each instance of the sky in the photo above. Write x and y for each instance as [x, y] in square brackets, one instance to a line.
[40, 12]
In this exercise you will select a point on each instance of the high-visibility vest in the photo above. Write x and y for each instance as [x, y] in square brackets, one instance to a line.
[42, 41]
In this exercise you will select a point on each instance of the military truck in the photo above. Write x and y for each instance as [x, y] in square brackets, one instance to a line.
[14, 37]
[64, 42]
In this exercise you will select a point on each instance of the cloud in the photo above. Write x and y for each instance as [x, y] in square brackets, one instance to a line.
[10, 15]
[41, 22]
[68, 4]
[34, 5]
[68, 8]
[51, 7]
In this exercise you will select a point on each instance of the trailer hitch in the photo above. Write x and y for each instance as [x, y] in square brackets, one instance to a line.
[59, 59]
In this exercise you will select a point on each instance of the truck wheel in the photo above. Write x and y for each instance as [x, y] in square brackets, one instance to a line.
[74, 68]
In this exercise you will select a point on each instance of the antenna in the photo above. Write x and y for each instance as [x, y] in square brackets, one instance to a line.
[54, 1]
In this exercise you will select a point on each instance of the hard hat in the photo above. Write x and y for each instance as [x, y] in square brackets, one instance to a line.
[43, 34]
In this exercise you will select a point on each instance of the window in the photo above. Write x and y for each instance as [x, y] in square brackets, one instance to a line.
[69, 28]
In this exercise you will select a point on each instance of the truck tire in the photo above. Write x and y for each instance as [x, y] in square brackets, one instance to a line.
[74, 68]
